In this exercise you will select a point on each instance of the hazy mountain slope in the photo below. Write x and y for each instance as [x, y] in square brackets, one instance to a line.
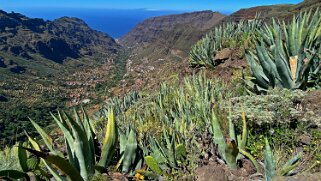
[277, 11]
[153, 29]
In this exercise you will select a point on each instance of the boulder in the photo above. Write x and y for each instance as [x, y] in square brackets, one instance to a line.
[210, 172]
[224, 54]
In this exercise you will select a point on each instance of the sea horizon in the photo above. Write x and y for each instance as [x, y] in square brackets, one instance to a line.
[114, 22]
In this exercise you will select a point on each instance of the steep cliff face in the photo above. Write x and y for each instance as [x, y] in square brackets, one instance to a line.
[54, 40]
[172, 26]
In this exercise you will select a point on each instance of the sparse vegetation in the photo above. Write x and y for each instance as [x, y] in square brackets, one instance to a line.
[192, 121]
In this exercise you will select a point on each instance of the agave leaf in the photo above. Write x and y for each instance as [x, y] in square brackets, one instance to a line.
[249, 156]
[130, 152]
[46, 138]
[242, 144]
[266, 62]
[153, 165]
[283, 67]
[232, 128]
[62, 164]
[12, 174]
[90, 134]
[157, 152]
[109, 141]
[269, 162]
[305, 72]
[257, 71]
[290, 165]
[23, 157]
[33, 143]
[231, 152]
[54, 173]
[69, 140]
[82, 148]
[181, 152]
[218, 137]
[171, 154]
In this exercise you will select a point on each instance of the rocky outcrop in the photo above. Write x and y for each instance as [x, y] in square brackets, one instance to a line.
[55, 49]
[54, 40]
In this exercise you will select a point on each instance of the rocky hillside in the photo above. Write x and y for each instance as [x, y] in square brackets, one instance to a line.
[54, 40]
[154, 29]
[284, 11]
[45, 65]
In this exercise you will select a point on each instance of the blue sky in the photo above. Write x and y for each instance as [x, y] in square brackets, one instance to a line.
[217, 5]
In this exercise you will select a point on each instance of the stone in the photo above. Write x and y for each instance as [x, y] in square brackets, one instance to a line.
[305, 139]
[210, 172]
[224, 54]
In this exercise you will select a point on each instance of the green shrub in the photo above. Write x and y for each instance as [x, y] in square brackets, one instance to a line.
[279, 106]
[9, 159]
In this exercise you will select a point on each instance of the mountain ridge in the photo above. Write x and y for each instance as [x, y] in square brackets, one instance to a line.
[281, 11]
[157, 25]
[55, 40]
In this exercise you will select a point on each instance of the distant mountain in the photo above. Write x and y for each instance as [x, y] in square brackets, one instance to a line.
[284, 11]
[55, 40]
[50, 65]
[163, 27]
[170, 36]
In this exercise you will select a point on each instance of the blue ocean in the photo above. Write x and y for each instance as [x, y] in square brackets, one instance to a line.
[115, 22]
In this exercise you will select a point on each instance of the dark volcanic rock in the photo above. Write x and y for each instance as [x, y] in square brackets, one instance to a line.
[56, 49]
[3, 98]
[2, 64]
[17, 69]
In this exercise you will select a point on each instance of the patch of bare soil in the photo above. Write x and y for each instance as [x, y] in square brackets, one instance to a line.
[220, 172]
[312, 102]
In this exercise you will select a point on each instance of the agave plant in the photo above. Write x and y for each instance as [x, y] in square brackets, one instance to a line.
[166, 155]
[285, 55]
[234, 147]
[119, 104]
[270, 164]
[229, 35]
[131, 153]
[80, 144]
